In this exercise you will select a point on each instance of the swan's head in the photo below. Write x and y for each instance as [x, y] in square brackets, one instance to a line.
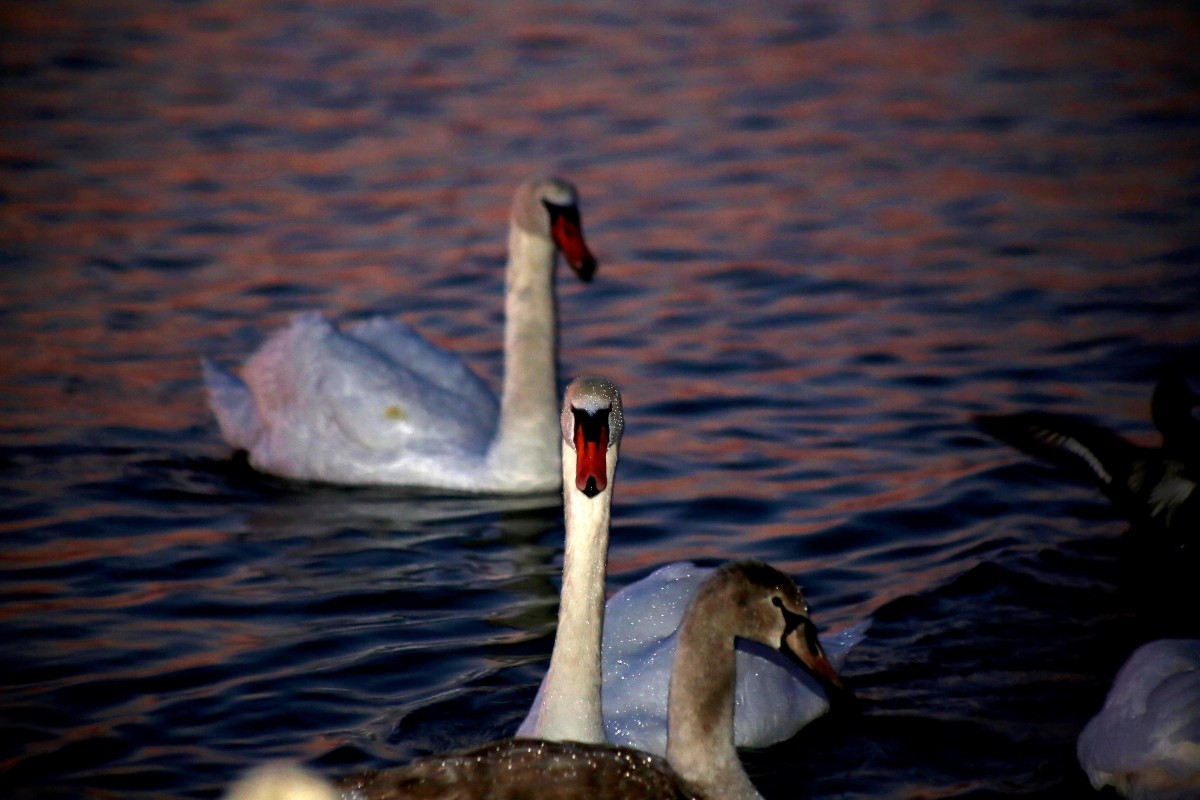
[768, 607]
[592, 423]
[549, 207]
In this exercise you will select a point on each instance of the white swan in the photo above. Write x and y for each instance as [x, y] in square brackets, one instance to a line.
[640, 626]
[376, 403]
[744, 599]
[592, 422]
[1145, 741]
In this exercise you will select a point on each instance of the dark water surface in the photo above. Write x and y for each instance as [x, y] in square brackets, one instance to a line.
[829, 234]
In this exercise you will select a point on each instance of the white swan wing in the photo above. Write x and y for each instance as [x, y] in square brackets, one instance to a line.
[648, 611]
[1146, 739]
[435, 365]
[634, 695]
[335, 407]
[774, 698]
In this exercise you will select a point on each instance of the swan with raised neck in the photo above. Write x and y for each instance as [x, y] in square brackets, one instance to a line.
[376, 403]
[545, 220]
[592, 422]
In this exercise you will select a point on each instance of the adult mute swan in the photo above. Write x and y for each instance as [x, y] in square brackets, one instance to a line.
[740, 600]
[640, 624]
[1145, 741]
[376, 403]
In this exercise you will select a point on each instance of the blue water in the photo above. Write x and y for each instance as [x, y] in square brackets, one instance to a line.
[829, 234]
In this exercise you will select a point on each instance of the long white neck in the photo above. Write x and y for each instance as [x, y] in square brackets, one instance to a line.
[571, 708]
[700, 705]
[526, 445]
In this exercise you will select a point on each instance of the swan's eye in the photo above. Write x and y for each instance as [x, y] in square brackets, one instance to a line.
[777, 601]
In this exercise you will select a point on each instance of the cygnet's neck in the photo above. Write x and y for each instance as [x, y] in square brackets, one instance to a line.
[701, 701]
[525, 448]
[572, 710]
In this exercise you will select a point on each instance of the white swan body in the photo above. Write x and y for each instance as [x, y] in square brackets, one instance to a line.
[1145, 741]
[376, 403]
[592, 422]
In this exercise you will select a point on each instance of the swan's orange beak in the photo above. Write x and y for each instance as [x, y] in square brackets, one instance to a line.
[801, 642]
[591, 445]
[568, 236]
